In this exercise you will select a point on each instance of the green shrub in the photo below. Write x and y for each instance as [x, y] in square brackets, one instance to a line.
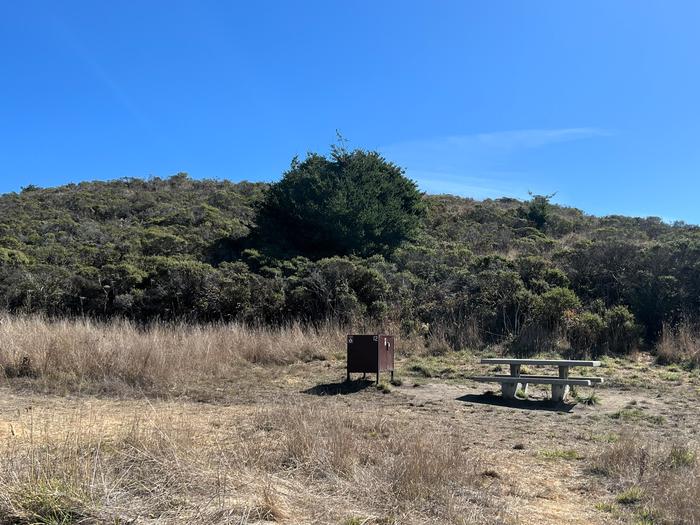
[621, 331]
[554, 305]
[584, 333]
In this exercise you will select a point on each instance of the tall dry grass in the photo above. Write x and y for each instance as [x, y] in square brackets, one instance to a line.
[303, 463]
[662, 480]
[85, 354]
[679, 345]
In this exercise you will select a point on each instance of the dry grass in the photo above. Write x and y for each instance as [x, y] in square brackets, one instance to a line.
[157, 359]
[273, 451]
[661, 481]
[121, 357]
[300, 463]
[679, 345]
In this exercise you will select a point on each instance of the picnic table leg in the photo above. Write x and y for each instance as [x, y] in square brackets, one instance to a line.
[559, 392]
[508, 390]
[515, 371]
[523, 388]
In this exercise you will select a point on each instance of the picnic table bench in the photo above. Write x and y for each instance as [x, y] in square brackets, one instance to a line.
[510, 384]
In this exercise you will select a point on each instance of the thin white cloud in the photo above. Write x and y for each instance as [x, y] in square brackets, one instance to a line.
[533, 138]
[481, 164]
[484, 186]
[497, 142]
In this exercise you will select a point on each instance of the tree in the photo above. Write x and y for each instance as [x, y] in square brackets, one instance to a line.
[351, 203]
[538, 210]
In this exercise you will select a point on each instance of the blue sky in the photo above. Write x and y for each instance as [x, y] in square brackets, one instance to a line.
[598, 101]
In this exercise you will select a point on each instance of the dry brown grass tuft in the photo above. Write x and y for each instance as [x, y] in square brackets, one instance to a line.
[82, 475]
[298, 463]
[679, 345]
[378, 461]
[112, 357]
[663, 479]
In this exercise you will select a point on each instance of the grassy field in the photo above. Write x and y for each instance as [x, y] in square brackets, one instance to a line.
[227, 424]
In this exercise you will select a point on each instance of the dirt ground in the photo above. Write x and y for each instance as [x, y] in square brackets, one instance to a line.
[537, 454]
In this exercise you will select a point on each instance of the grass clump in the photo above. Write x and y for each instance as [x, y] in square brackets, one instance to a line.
[631, 415]
[432, 366]
[630, 496]
[591, 399]
[681, 456]
[49, 502]
[269, 508]
[521, 393]
[423, 370]
[606, 507]
[602, 438]
[671, 377]
[354, 520]
[647, 516]
[663, 480]
[566, 454]
[384, 388]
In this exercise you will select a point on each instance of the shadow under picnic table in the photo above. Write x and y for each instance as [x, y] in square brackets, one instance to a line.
[490, 398]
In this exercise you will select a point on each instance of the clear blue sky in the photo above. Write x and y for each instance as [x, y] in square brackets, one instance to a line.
[596, 100]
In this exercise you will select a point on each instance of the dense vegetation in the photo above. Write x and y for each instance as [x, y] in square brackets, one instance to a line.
[353, 203]
[529, 275]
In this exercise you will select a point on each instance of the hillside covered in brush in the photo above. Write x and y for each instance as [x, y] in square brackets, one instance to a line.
[525, 274]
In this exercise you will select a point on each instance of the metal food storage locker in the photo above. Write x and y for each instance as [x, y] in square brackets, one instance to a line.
[370, 354]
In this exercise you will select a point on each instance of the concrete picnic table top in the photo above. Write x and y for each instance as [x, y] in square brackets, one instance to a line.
[537, 362]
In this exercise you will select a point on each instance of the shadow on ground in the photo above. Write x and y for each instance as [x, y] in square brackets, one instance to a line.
[341, 388]
[522, 404]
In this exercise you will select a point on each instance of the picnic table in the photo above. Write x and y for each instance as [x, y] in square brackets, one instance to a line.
[510, 384]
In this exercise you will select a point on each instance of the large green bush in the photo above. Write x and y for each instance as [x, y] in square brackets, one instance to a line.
[351, 203]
